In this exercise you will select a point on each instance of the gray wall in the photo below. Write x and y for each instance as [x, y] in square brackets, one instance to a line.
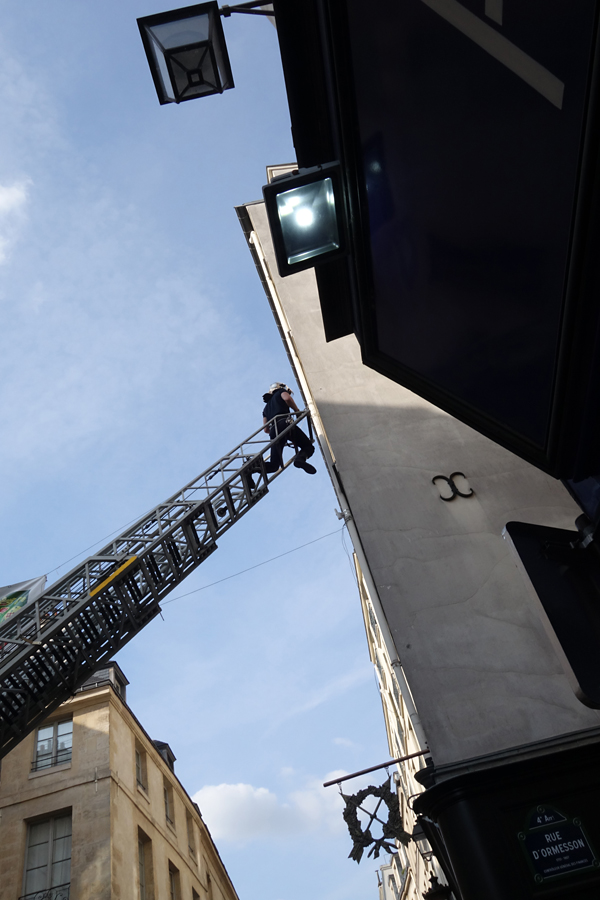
[482, 671]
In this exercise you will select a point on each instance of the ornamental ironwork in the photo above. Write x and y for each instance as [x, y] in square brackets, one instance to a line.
[61, 892]
[392, 829]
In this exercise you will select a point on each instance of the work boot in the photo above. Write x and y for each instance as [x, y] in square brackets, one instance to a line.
[302, 464]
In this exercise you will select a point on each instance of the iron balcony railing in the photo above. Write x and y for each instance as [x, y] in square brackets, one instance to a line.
[61, 892]
[56, 759]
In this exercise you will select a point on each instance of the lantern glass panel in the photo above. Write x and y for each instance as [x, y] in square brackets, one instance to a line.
[219, 48]
[187, 52]
[193, 30]
[160, 69]
[308, 219]
[193, 71]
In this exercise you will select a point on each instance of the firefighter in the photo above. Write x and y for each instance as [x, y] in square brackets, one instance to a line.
[279, 402]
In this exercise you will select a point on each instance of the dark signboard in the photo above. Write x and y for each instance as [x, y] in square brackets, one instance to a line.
[470, 116]
[469, 135]
[566, 583]
[555, 845]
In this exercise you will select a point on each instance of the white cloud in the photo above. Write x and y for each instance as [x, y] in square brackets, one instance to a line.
[241, 812]
[344, 742]
[89, 338]
[107, 327]
[13, 198]
[321, 807]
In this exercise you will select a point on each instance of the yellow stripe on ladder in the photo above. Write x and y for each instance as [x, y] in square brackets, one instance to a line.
[113, 576]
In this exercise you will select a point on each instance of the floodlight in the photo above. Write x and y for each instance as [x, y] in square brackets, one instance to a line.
[306, 212]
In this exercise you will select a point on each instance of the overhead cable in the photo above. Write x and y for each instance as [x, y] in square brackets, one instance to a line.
[249, 569]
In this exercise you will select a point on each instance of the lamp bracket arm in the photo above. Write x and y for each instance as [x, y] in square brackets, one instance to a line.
[248, 8]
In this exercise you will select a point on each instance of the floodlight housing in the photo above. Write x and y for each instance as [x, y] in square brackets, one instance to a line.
[186, 52]
[307, 218]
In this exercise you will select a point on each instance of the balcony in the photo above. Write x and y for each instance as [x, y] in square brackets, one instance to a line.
[61, 892]
[46, 761]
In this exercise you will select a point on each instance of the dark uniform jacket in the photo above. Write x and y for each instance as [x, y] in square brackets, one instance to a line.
[276, 406]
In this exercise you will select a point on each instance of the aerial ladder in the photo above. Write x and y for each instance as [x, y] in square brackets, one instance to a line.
[53, 645]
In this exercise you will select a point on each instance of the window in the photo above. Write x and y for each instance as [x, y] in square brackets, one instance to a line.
[53, 745]
[141, 775]
[190, 833]
[382, 678]
[398, 736]
[168, 793]
[374, 625]
[145, 869]
[173, 882]
[48, 860]
[142, 868]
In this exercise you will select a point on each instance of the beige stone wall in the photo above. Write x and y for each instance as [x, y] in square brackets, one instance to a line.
[108, 807]
[83, 785]
[133, 808]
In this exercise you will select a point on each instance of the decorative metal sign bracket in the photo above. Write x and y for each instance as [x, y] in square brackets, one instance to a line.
[392, 829]
[449, 479]
[385, 765]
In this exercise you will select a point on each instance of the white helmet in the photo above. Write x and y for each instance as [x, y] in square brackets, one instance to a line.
[279, 385]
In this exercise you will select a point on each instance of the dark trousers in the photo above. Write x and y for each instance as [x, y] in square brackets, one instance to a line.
[302, 442]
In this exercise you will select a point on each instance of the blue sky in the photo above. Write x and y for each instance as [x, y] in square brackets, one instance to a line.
[136, 345]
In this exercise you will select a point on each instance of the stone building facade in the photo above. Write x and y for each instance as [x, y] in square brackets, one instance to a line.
[91, 809]
[406, 875]
[451, 622]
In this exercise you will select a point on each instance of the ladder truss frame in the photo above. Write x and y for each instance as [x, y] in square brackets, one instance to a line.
[53, 645]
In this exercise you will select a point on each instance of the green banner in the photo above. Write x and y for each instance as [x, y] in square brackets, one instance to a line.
[14, 597]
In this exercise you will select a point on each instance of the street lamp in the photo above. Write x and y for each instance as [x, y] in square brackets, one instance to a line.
[188, 58]
[306, 213]
[186, 49]
[186, 52]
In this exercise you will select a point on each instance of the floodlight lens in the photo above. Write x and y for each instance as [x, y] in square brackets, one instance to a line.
[313, 229]
[304, 217]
